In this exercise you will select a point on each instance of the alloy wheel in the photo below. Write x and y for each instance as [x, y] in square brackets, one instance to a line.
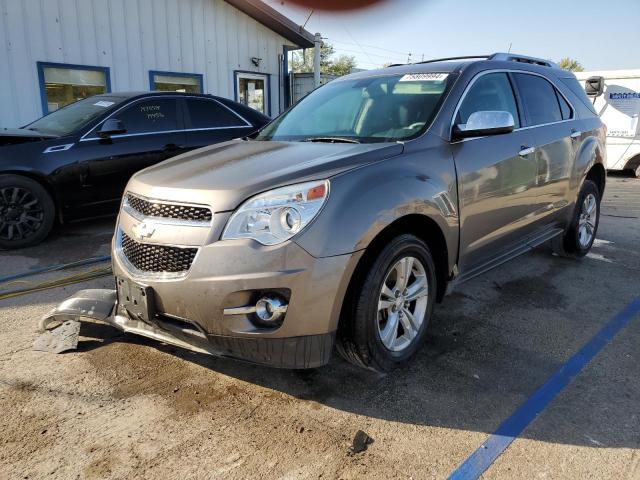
[402, 303]
[587, 220]
[21, 214]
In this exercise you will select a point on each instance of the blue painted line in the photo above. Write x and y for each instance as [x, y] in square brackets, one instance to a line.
[53, 268]
[513, 426]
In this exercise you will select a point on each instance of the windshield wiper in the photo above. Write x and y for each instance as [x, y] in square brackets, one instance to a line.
[332, 140]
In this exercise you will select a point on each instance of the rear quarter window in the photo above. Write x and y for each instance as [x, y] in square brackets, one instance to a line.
[578, 90]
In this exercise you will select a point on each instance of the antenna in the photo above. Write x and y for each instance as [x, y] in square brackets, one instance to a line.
[510, 44]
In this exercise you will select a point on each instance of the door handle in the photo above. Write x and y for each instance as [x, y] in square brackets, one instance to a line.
[526, 151]
[575, 133]
[172, 146]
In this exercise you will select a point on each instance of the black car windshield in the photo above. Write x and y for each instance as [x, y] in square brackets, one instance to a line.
[76, 115]
[372, 109]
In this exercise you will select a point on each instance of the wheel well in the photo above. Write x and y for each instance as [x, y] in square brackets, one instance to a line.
[422, 227]
[633, 163]
[43, 183]
[598, 175]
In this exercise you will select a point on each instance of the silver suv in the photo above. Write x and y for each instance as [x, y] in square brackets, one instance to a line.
[348, 217]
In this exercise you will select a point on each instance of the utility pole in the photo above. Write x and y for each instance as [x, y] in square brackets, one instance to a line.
[316, 60]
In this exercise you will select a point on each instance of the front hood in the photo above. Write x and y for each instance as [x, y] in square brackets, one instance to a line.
[226, 174]
[13, 136]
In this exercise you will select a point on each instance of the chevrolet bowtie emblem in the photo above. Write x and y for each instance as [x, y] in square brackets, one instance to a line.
[143, 230]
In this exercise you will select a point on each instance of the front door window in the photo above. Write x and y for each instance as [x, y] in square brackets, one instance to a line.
[252, 91]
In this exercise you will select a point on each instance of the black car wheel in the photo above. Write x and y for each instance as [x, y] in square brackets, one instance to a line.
[581, 232]
[389, 307]
[27, 212]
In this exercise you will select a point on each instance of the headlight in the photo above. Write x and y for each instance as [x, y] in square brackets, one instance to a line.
[279, 214]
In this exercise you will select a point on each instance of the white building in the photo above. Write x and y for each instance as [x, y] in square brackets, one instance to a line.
[54, 52]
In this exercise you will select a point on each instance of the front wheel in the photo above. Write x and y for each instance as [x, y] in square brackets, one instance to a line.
[579, 236]
[27, 212]
[389, 308]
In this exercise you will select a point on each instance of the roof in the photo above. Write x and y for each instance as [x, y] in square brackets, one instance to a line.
[274, 20]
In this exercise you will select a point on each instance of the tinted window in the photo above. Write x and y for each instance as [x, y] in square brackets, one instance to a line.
[153, 115]
[491, 92]
[579, 92]
[565, 108]
[539, 98]
[208, 114]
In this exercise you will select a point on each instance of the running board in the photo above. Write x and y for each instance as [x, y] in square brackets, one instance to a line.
[510, 255]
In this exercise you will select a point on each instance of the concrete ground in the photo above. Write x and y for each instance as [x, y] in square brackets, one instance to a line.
[124, 407]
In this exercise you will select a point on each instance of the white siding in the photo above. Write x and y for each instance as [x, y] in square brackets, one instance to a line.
[131, 37]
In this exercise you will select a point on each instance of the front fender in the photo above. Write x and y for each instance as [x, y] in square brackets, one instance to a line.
[364, 201]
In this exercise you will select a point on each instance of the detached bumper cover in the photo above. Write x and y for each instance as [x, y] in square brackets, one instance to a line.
[291, 352]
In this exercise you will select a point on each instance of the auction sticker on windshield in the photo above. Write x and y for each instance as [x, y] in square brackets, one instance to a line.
[416, 77]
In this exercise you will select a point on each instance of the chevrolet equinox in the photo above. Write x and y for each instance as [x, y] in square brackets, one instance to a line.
[345, 219]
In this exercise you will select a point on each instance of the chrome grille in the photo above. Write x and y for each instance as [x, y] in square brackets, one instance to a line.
[168, 210]
[157, 258]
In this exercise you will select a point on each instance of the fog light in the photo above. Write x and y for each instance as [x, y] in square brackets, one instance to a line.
[270, 309]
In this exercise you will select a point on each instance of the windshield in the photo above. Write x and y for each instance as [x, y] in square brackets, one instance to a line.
[74, 116]
[373, 109]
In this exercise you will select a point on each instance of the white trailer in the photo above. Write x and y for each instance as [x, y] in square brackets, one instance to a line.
[619, 108]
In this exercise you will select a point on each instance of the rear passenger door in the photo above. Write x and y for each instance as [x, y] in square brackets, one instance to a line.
[496, 176]
[209, 122]
[549, 116]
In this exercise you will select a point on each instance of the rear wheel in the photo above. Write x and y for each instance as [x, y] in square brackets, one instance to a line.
[27, 212]
[579, 236]
[389, 308]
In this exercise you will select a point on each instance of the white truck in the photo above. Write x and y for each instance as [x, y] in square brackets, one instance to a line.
[618, 104]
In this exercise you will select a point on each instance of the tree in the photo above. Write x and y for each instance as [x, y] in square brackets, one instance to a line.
[302, 62]
[342, 65]
[570, 64]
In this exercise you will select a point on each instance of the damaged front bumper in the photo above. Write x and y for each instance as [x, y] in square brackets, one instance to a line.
[101, 305]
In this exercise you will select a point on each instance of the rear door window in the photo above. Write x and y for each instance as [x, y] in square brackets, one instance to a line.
[490, 92]
[205, 113]
[150, 116]
[539, 98]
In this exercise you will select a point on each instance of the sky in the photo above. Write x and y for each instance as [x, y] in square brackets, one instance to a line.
[601, 35]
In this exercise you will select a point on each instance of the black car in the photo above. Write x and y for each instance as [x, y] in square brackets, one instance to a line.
[75, 162]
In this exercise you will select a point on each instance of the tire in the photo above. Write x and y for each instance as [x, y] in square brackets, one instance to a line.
[365, 323]
[27, 212]
[581, 232]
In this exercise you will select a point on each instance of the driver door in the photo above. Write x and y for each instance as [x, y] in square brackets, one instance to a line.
[154, 132]
[496, 177]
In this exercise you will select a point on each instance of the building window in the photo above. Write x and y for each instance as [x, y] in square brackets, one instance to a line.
[252, 90]
[175, 82]
[62, 84]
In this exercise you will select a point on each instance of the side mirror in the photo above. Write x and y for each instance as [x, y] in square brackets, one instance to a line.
[485, 123]
[111, 126]
[594, 86]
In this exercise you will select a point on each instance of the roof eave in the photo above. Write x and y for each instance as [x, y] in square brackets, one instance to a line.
[274, 20]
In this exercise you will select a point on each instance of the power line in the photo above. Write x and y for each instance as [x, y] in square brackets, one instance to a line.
[387, 57]
[369, 46]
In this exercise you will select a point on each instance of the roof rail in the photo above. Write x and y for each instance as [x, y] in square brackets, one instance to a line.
[467, 57]
[505, 57]
[514, 57]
